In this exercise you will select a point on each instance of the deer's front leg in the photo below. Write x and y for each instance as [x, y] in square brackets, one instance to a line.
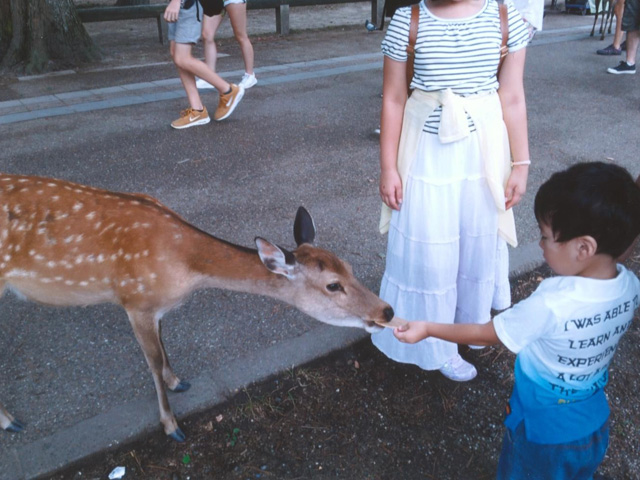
[8, 422]
[147, 330]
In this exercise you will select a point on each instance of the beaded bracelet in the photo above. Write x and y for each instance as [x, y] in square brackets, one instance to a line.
[521, 162]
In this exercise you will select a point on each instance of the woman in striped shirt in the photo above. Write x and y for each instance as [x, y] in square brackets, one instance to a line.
[454, 159]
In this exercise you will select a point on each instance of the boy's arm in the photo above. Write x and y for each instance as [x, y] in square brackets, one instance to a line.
[465, 334]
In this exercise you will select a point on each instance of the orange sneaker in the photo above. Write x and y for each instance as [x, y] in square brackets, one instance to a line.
[228, 102]
[191, 118]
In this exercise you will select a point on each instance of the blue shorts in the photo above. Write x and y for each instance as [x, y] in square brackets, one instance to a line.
[576, 460]
[187, 29]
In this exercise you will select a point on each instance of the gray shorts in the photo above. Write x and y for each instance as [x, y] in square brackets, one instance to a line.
[187, 29]
[631, 16]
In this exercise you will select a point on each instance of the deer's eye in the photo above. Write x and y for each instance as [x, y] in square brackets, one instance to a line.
[335, 287]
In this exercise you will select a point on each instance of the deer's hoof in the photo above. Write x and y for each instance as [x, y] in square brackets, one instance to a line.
[178, 435]
[182, 387]
[15, 426]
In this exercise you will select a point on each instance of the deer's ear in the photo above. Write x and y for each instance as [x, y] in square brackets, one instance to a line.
[304, 231]
[276, 259]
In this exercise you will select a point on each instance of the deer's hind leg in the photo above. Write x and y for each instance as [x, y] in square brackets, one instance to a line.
[8, 422]
[147, 331]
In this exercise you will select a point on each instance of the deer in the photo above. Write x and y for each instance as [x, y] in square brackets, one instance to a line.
[67, 244]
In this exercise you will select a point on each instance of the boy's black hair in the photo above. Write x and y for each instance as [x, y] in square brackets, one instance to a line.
[597, 199]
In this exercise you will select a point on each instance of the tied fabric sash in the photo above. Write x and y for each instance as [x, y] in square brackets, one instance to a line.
[486, 112]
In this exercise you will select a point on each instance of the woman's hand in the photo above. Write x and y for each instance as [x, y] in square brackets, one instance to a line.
[391, 188]
[412, 332]
[516, 185]
[172, 11]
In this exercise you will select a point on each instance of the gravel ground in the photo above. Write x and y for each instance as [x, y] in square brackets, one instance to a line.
[358, 415]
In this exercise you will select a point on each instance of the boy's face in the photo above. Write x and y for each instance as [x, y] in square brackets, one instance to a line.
[559, 256]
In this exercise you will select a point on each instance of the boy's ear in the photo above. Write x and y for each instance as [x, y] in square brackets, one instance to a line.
[587, 247]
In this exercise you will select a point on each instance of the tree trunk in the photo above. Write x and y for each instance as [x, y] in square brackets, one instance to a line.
[122, 3]
[42, 35]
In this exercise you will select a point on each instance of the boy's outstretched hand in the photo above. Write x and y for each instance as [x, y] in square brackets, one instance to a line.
[412, 332]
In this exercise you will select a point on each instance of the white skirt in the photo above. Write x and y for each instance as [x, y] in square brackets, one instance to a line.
[445, 261]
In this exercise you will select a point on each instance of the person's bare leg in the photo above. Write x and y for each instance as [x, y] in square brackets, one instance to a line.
[238, 17]
[633, 38]
[187, 79]
[209, 28]
[185, 61]
[618, 8]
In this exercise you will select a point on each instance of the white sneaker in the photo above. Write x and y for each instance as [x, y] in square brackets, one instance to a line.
[248, 80]
[203, 84]
[458, 370]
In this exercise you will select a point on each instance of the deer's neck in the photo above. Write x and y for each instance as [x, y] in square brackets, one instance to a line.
[231, 267]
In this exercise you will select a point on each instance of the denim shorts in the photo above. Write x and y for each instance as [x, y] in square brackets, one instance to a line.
[187, 29]
[576, 460]
[631, 16]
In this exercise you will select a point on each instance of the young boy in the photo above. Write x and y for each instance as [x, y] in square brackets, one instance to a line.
[183, 17]
[566, 333]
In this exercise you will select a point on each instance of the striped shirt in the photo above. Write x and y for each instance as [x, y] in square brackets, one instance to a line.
[461, 53]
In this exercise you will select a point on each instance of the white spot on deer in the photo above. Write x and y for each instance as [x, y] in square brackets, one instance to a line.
[79, 238]
[79, 259]
[2, 265]
[127, 257]
[106, 280]
[32, 253]
[83, 283]
[90, 215]
[114, 257]
[54, 198]
[100, 258]
[40, 192]
[62, 216]
[45, 280]
[69, 239]
[140, 288]
[58, 279]
[69, 282]
[108, 227]
[97, 225]
[6, 258]
[51, 264]
[92, 279]
[39, 257]
[77, 207]
[92, 258]
[145, 253]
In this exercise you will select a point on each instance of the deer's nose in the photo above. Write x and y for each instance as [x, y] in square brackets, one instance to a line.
[388, 314]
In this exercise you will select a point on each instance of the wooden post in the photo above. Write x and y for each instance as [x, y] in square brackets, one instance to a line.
[163, 30]
[376, 12]
[282, 19]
